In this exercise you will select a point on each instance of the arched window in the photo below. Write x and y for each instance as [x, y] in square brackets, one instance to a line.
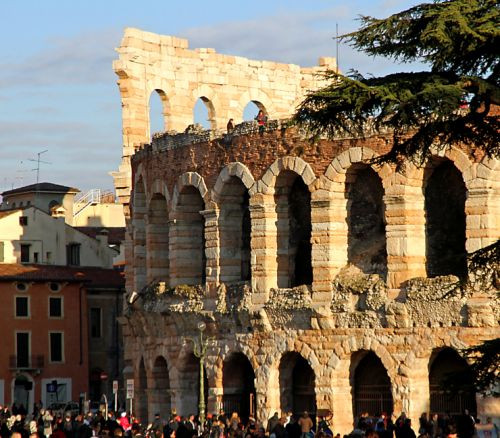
[445, 195]
[158, 108]
[366, 220]
[204, 113]
[188, 261]
[238, 386]
[371, 384]
[293, 208]
[444, 364]
[234, 232]
[157, 239]
[297, 385]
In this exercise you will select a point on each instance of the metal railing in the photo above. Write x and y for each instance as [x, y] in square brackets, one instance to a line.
[26, 362]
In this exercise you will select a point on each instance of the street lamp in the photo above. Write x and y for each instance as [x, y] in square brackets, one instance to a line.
[200, 345]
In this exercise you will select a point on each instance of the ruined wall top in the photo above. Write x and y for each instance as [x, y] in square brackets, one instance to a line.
[163, 64]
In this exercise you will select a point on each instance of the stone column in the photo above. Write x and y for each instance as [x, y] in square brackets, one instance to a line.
[323, 257]
[482, 211]
[212, 249]
[342, 401]
[263, 246]
[405, 235]
[267, 392]
[417, 397]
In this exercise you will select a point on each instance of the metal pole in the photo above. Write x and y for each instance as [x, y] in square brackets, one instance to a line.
[201, 406]
[106, 405]
[116, 401]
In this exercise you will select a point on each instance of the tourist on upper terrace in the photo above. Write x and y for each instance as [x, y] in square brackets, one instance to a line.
[230, 126]
[261, 121]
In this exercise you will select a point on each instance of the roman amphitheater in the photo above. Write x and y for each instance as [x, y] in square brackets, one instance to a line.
[326, 283]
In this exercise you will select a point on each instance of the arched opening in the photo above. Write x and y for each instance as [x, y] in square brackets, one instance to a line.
[141, 393]
[189, 381]
[157, 112]
[366, 237]
[160, 393]
[157, 239]
[293, 208]
[189, 242]
[234, 232]
[238, 382]
[445, 195]
[297, 385]
[371, 384]
[139, 235]
[444, 364]
[204, 113]
[251, 110]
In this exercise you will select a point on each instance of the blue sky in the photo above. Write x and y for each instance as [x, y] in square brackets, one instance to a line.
[58, 90]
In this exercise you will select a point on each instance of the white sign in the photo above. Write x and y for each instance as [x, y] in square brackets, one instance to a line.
[130, 388]
[115, 386]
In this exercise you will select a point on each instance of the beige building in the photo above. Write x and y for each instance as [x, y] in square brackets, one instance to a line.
[326, 283]
[29, 235]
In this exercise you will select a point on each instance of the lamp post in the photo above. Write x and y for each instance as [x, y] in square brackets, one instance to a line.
[200, 345]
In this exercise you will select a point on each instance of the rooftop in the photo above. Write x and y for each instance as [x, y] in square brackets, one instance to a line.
[44, 187]
[93, 276]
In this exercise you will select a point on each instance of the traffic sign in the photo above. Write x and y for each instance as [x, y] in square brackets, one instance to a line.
[130, 388]
[104, 375]
[115, 386]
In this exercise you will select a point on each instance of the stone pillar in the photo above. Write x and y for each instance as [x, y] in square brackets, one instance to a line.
[139, 259]
[342, 401]
[323, 260]
[263, 245]
[267, 392]
[482, 211]
[417, 396]
[212, 249]
[405, 235]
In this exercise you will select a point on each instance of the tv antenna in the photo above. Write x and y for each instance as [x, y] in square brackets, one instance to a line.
[38, 161]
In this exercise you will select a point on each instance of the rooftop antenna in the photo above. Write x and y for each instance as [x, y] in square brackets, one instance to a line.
[38, 161]
[337, 46]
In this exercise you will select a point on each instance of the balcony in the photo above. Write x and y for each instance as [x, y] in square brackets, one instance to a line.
[26, 363]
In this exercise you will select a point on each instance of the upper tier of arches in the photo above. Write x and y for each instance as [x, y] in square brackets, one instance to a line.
[293, 227]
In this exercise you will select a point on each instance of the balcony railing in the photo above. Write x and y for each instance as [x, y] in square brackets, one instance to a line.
[35, 361]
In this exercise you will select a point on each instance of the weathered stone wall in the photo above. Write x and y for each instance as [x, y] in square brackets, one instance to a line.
[401, 315]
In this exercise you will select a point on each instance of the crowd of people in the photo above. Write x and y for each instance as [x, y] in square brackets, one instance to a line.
[43, 423]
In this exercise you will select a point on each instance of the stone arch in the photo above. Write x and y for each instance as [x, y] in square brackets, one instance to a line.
[189, 179]
[366, 221]
[165, 107]
[187, 236]
[294, 164]
[139, 213]
[297, 384]
[371, 385]
[234, 227]
[238, 385]
[292, 199]
[157, 233]
[445, 193]
[337, 169]
[260, 98]
[209, 98]
[444, 362]
[331, 195]
[160, 398]
[235, 169]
